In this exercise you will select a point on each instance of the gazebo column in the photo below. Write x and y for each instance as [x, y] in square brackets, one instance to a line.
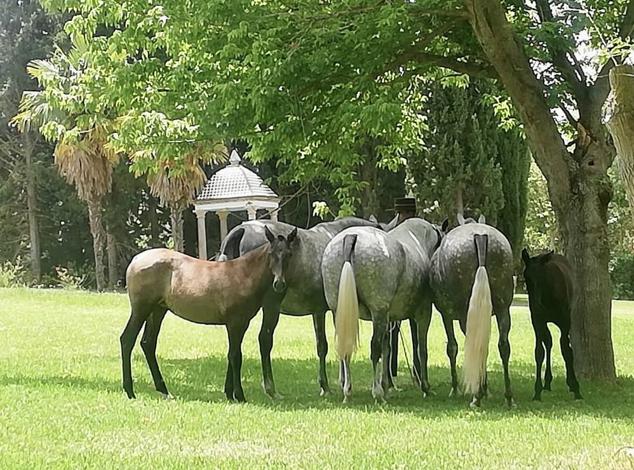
[222, 215]
[253, 212]
[274, 215]
[202, 234]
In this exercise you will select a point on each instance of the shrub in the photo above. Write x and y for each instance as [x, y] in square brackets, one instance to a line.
[12, 274]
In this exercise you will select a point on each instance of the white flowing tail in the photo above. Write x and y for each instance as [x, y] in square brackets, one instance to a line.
[476, 346]
[347, 316]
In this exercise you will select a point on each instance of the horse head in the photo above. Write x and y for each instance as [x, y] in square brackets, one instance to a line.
[279, 254]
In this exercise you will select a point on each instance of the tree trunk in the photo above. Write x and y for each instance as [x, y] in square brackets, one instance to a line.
[31, 199]
[578, 184]
[113, 260]
[621, 125]
[369, 172]
[98, 233]
[587, 248]
[176, 219]
[154, 223]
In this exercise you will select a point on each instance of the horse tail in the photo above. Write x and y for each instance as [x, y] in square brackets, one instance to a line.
[476, 348]
[347, 314]
[230, 248]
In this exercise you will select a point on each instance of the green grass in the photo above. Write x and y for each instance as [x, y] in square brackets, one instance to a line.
[61, 405]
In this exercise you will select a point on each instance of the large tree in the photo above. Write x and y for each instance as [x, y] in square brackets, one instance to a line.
[307, 81]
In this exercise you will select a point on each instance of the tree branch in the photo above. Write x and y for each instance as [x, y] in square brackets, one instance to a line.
[474, 69]
[506, 54]
[560, 59]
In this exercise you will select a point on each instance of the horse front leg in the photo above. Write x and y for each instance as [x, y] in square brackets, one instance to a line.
[504, 327]
[270, 319]
[236, 333]
[319, 323]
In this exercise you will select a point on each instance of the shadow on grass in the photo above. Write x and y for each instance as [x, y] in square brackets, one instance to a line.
[202, 379]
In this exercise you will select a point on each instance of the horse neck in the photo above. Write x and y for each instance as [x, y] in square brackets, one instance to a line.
[256, 264]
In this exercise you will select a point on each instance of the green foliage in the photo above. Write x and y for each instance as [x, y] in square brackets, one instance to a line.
[541, 231]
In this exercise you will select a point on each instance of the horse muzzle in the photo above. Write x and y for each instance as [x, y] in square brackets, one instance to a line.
[279, 285]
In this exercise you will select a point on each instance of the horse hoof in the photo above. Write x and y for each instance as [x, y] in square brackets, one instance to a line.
[324, 392]
[453, 393]
[578, 396]
[345, 399]
[537, 398]
[474, 405]
[511, 403]
[130, 395]
[167, 396]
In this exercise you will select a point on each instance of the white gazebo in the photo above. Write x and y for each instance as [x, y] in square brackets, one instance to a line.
[233, 188]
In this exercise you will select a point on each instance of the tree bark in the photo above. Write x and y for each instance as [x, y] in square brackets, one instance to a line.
[113, 260]
[621, 125]
[578, 184]
[154, 223]
[31, 199]
[98, 233]
[176, 220]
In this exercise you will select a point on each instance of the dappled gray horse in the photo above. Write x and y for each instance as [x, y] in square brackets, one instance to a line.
[304, 289]
[471, 278]
[379, 277]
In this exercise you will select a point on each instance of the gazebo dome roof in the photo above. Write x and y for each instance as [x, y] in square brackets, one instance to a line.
[236, 182]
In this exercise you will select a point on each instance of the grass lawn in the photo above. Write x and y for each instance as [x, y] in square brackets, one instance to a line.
[61, 405]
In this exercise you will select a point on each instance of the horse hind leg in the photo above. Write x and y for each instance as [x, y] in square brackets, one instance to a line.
[539, 359]
[148, 344]
[504, 347]
[378, 351]
[452, 353]
[548, 345]
[138, 316]
[566, 351]
[319, 323]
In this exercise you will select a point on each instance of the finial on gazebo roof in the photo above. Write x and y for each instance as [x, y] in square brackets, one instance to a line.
[234, 159]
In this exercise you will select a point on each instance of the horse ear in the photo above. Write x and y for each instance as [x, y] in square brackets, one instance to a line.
[373, 219]
[292, 236]
[445, 225]
[461, 220]
[482, 219]
[525, 256]
[269, 235]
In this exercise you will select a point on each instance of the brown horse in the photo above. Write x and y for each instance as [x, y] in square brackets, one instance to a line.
[551, 297]
[207, 292]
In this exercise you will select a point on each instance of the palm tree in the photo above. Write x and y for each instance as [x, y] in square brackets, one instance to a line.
[85, 160]
[177, 189]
